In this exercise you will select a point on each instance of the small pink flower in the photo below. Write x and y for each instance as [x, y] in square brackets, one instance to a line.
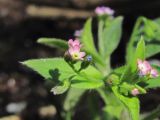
[144, 67]
[104, 10]
[74, 50]
[135, 92]
[74, 43]
[153, 73]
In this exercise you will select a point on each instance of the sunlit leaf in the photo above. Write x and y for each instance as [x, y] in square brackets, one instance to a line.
[131, 103]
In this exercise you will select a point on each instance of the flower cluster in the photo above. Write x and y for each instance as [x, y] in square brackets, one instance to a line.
[104, 11]
[146, 69]
[74, 50]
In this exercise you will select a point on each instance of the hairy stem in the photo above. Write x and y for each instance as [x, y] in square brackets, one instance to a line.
[154, 114]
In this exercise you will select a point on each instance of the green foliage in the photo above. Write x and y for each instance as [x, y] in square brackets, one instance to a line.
[114, 86]
[110, 37]
[139, 54]
[51, 68]
[87, 37]
[113, 115]
[130, 71]
[151, 32]
[152, 49]
[88, 42]
[88, 78]
[153, 83]
[58, 69]
[54, 42]
[132, 103]
[120, 70]
[86, 83]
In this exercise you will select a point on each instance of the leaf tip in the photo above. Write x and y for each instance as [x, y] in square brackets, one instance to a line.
[40, 40]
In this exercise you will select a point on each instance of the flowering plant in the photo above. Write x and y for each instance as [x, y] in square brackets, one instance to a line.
[84, 67]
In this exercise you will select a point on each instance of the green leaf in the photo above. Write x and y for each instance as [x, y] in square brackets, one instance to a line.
[151, 32]
[157, 20]
[91, 73]
[139, 54]
[109, 114]
[111, 37]
[130, 70]
[131, 103]
[88, 42]
[85, 83]
[152, 49]
[59, 89]
[51, 68]
[54, 42]
[100, 35]
[59, 70]
[135, 35]
[88, 78]
[120, 70]
[153, 83]
[87, 37]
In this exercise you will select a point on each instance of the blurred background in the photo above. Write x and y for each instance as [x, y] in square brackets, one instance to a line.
[24, 95]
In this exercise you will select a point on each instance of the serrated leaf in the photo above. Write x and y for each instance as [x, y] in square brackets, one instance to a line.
[111, 36]
[131, 103]
[59, 70]
[51, 68]
[54, 42]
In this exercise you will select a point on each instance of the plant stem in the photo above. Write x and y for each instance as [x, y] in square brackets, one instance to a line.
[154, 114]
[68, 115]
[100, 36]
[108, 65]
[103, 95]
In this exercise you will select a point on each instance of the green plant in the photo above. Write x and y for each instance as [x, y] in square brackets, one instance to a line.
[78, 71]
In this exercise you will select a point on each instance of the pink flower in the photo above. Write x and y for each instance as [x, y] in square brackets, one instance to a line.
[144, 67]
[104, 11]
[153, 73]
[74, 50]
[74, 43]
[135, 92]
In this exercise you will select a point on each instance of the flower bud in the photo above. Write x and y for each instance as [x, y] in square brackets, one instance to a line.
[86, 62]
[104, 11]
[135, 92]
